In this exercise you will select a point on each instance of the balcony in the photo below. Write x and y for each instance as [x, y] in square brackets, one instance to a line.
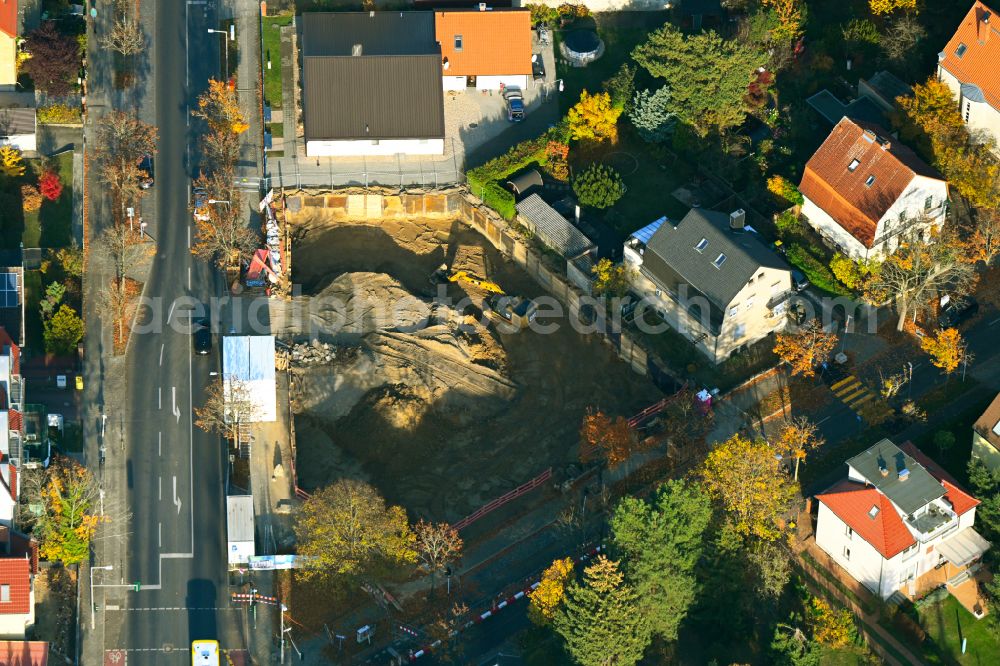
[934, 522]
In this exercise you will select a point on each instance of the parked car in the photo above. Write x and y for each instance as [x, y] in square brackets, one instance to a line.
[146, 167]
[200, 204]
[515, 104]
[955, 312]
[202, 337]
[799, 280]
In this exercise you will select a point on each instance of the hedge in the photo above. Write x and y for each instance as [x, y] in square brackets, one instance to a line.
[59, 114]
[484, 181]
[816, 271]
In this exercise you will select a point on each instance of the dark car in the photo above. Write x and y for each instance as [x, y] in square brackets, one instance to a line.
[955, 312]
[202, 337]
[799, 280]
[515, 105]
[146, 177]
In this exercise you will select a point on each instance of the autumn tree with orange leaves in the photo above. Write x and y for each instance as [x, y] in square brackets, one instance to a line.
[594, 118]
[610, 439]
[437, 545]
[545, 599]
[68, 520]
[797, 437]
[946, 348]
[220, 108]
[806, 349]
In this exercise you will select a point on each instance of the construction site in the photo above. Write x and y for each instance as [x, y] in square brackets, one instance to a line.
[418, 368]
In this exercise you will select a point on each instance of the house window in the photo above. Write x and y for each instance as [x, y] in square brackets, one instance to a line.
[658, 293]
[776, 289]
[902, 216]
[968, 110]
[702, 244]
[849, 532]
[4, 593]
[872, 512]
[739, 331]
[847, 553]
[960, 51]
[733, 311]
[760, 276]
[458, 42]
[928, 203]
[870, 181]
[749, 303]
[853, 165]
[719, 260]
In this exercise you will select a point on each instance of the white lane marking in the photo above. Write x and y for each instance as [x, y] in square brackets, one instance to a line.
[159, 535]
[159, 486]
[189, 233]
[161, 354]
[159, 443]
[994, 321]
[189, 277]
[821, 420]
[170, 313]
[177, 410]
[177, 500]
[159, 397]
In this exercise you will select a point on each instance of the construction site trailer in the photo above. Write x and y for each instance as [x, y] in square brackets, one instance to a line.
[248, 361]
[239, 528]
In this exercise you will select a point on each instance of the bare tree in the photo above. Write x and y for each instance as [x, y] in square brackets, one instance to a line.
[225, 236]
[228, 403]
[123, 141]
[437, 546]
[921, 272]
[126, 37]
[124, 247]
[902, 36]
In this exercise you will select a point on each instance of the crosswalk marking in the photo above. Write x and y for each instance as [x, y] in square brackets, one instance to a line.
[853, 393]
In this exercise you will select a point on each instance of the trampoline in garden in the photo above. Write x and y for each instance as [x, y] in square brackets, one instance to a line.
[581, 47]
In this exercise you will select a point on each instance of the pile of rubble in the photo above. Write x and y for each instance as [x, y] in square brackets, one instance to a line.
[310, 353]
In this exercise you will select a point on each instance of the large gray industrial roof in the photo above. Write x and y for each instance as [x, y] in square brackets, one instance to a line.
[385, 97]
[918, 488]
[378, 33]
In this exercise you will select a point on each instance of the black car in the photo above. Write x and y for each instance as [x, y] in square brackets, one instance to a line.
[955, 312]
[799, 280]
[202, 337]
[146, 167]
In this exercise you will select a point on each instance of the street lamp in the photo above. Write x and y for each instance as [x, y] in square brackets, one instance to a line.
[232, 37]
[282, 614]
[218, 201]
[93, 603]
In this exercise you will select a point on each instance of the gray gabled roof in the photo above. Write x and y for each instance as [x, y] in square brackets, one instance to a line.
[378, 33]
[916, 491]
[557, 232]
[675, 246]
[17, 121]
[382, 97]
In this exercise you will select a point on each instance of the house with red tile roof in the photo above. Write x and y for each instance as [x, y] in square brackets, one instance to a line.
[484, 49]
[864, 191]
[986, 436]
[24, 653]
[11, 426]
[969, 66]
[8, 44]
[896, 517]
[17, 597]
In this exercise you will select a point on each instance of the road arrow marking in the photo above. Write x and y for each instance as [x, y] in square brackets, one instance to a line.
[177, 500]
[177, 411]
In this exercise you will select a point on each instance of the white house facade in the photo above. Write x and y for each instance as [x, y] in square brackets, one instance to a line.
[968, 65]
[720, 288]
[864, 192]
[485, 48]
[893, 520]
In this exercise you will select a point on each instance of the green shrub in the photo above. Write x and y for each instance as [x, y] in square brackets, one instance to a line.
[59, 114]
[499, 199]
[484, 180]
[814, 269]
[787, 223]
[599, 186]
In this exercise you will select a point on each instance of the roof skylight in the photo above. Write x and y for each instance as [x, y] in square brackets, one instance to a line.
[702, 244]
[721, 259]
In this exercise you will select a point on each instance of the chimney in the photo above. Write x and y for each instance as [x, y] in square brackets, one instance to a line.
[577, 212]
[371, 14]
[737, 220]
[904, 474]
[356, 50]
[882, 468]
[482, 7]
[886, 145]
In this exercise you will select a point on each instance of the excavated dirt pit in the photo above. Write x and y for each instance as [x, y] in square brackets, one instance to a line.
[440, 418]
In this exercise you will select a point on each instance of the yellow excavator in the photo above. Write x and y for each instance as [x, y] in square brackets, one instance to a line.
[443, 274]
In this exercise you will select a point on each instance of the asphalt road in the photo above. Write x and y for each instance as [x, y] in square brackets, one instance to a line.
[176, 546]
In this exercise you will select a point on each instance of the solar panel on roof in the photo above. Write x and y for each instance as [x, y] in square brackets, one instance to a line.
[9, 296]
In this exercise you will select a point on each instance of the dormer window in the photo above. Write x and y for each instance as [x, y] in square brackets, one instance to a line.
[870, 181]
[960, 51]
[702, 244]
[458, 42]
[721, 259]
[872, 512]
[853, 165]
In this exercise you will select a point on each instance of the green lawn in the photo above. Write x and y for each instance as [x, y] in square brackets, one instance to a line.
[947, 623]
[52, 225]
[277, 129]
[32, 313]
[271, 26]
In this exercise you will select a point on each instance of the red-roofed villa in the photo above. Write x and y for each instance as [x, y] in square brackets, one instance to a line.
[900, 524]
